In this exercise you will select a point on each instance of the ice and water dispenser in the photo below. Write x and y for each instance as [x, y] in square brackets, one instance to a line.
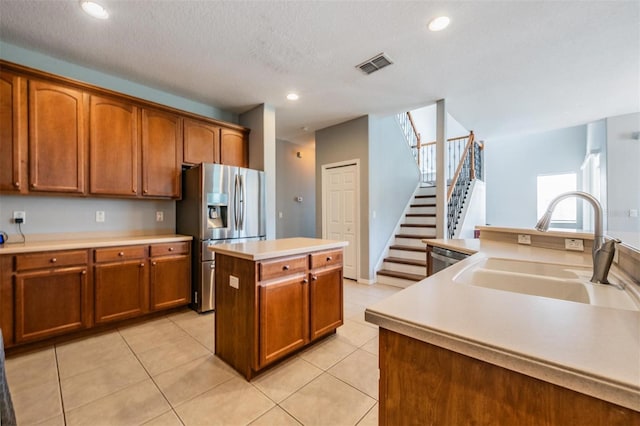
[217, 210]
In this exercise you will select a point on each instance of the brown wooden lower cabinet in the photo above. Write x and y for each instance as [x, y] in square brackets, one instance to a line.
[170, 282]
[52, 293]
[266, 310]
[50, 302]
[423, 384]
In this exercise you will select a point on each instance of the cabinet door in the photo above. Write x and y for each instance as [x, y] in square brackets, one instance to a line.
[170, 282]
[57, 139]
[201, 142]
[50, 302]
[326, 301]
[121, 290]
[284, 317]
[13, 133]
[161, 154]
[113, 141]
[234, 148]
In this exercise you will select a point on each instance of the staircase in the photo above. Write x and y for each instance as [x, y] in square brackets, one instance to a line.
[407, 260]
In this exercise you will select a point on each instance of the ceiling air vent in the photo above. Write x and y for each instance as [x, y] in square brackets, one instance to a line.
[374, 64]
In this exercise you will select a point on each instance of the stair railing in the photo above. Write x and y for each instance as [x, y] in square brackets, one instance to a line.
[469, 168]
[411, 134]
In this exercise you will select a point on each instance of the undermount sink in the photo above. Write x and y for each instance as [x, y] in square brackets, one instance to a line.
[556, 281]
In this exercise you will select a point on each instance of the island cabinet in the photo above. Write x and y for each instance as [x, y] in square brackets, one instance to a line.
[51, 294]
[268, 309]
[121, 283]
[421, 383]
[13, 133]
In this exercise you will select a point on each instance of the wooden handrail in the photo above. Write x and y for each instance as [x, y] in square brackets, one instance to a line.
[459, 168]
[413, 125]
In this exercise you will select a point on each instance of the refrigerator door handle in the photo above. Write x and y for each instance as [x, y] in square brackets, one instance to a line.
[235, 201]
[242, 203]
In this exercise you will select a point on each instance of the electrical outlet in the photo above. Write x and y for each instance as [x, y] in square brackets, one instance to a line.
[20, 215]
[234, 282]
[573, 244]
[100, 216]
[524, 239]
[159, 216]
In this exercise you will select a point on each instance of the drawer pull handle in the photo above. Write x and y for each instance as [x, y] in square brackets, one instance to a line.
[329, 258]
[170, 248]
[314, 277]
[121, 253]
[285, 268]
[54, 260]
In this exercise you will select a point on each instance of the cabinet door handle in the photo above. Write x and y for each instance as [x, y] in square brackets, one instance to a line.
[84, 272]
[121, 253]
[54, 260]
[329, 258]
[285, 268]
[133, 190]
[145, 191]
[16, 184]
[314, 277]
[305, 281]
[142, 265]
[153, 263]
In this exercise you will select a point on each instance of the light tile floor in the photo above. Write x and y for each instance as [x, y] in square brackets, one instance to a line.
[163, 372]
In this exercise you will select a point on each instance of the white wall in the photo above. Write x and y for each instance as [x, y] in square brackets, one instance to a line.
[512, 165]
[425, 121]
[623, 176]
[295, 177]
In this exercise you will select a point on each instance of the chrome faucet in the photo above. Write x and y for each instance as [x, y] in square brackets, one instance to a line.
[603, 250]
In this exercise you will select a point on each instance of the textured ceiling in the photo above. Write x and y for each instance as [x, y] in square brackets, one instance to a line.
[504, 67]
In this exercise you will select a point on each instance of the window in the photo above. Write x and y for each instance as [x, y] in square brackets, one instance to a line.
[550, 186]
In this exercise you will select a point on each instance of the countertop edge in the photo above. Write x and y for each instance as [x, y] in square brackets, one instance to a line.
[594, 386]
[32, 247]
[278, 253]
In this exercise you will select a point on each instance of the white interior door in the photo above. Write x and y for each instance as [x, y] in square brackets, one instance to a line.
[340, 212]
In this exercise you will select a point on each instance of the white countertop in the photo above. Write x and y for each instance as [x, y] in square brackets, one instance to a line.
[268, 249]
[90, 242]
[589, 349]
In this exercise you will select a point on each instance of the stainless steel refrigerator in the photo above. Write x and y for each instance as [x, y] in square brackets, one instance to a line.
[220, 204]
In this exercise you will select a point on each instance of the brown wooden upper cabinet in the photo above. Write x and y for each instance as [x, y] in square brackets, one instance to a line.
[201, 142]
[57, 138]
[161, 154]
[113, 141]
[13, 133]
[234, 147]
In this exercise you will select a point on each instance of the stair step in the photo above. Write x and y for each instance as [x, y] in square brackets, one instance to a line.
[412, 236]
[406, 248]
[423, 205]
[406, 261]
[420, 215]
[403, 275]
[424, 196]
[416, 225]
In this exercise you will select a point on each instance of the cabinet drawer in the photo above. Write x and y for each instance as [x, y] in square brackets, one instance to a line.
[326, 258]
[282, 267]
[51, 259]
[170, 248]
[114, 254]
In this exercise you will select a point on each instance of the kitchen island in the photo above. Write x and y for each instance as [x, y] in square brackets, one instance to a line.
[272, 298]
[452, 353]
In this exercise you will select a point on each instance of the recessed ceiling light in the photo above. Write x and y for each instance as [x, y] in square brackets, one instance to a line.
[94, 9]
[439, 23]
[293, 96]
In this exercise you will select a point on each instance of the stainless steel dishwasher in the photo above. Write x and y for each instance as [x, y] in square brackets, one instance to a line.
[442, 258]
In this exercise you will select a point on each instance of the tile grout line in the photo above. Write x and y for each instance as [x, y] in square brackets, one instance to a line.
[64, 413]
